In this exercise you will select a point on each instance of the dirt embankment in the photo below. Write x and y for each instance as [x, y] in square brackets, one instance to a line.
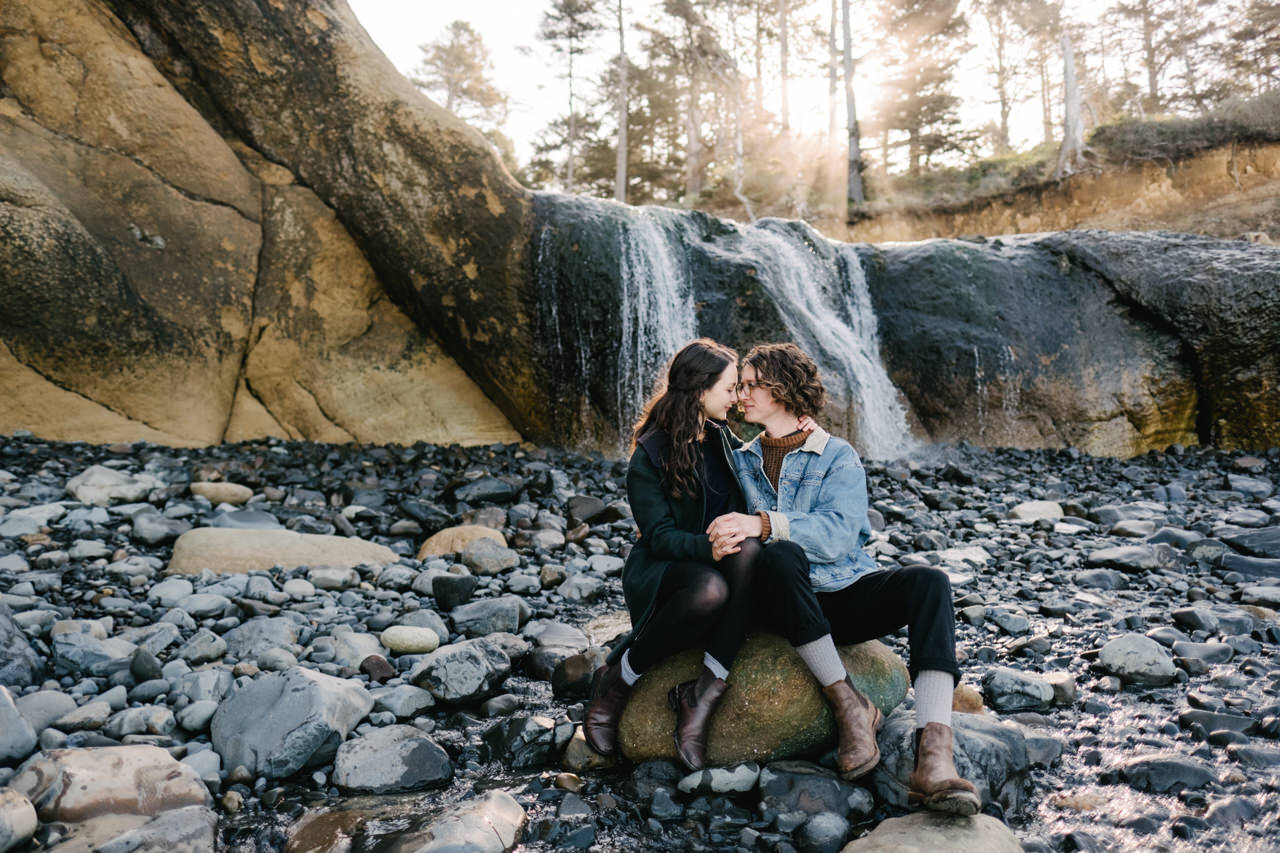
[1227, 192]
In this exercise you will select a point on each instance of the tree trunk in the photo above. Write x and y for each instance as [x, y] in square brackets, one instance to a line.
[1072, 126]
[855, 195]
[620, 164]
[833, 75]
[782, 35]
[1046, 98]
[573, 128]
[1149, 59]
[693, 129]
[759, 81]
[1002, 88]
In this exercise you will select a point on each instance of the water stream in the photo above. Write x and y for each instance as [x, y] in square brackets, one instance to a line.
[621, 288]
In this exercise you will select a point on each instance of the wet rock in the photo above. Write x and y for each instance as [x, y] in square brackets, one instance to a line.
[17, 820]
[1267, 596]
[800, 786]
[453, 540]
[77, 784]
[1209, 653]
[1257, 757]
[1137, 659]
[493, 823]
[452, 591]
[528, 741]
[1162, 773]
[579, 757]
[240, 551]
[927, 832]
[17, 736]
[1008, 689]
[554, 643]
[773, 708]
[462, 672]
[825, 832]
[282, 722]
[1260, 543]
[390, 760]
[1231, 812]
[190, 829]
[990, 754]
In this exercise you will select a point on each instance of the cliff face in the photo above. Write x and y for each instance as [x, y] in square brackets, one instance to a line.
[172, 271]
[1226, 192]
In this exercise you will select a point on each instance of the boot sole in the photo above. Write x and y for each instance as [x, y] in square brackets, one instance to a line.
[959, 803]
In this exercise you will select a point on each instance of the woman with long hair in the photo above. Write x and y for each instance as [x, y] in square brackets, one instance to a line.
[680, 589]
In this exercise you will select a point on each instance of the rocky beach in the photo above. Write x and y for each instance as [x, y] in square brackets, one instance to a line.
[287, 645]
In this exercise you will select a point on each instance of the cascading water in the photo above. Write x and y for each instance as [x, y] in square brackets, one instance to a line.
[621, 288]
[826, 306]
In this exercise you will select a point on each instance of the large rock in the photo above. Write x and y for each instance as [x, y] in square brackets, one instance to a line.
[389, 760]
[19, 664]
[462, 672]
[284, 721]
[17, 737]
[78, 784]
[927, 832]
[240, 551]
[774, 709]
[990, 754]
[17, 819]
[493, 823]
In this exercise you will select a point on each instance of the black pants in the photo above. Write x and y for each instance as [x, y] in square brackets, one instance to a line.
[876, 604]
[697, 603]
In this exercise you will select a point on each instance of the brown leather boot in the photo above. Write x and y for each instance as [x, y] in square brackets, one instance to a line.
[694, 702]
[857, 721]
[935, 783]
[609, 695]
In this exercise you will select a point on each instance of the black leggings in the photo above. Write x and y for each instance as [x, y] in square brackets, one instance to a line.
[876, 604]
[700, 602]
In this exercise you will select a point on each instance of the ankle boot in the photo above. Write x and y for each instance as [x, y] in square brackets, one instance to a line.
[935, 783]
[608, 697]
[694, 702]
[857, 721]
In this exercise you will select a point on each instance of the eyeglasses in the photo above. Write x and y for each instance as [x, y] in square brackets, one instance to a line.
[748, 387]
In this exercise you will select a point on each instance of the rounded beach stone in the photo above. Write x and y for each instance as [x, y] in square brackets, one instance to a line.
[410, 640]
[222, 493]
[773, 708]
[452, 540]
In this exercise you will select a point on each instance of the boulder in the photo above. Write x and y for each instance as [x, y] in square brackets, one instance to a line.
[453, 540]
[390, 760]
[241, 551]
[17, 736]
[926, 832]
[19, 664]
[284, 721]
[77, 784]
[990, 754]
[492, 823]
[773, 708]
[17, 820]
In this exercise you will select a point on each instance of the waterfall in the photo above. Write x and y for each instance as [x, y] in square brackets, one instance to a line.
[824, 301]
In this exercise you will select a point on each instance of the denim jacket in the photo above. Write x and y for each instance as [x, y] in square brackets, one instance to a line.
[820, 504]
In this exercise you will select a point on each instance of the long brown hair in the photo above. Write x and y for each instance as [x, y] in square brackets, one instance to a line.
[676, 406]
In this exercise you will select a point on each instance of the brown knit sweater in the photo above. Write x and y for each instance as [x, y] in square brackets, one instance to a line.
[773, 450]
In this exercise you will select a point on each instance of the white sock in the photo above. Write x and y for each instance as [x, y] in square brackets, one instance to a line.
[717, 668]
[629, 675]
[934, 689]
[823, 660]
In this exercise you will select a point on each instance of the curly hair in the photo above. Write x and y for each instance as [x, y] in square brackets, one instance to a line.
[676, 409]
[790, 376]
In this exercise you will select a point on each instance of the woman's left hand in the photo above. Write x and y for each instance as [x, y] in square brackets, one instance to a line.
[730, 529]
[806, 424]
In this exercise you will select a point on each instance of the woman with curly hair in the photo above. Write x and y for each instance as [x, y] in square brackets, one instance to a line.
[681, 589]
[816, 586]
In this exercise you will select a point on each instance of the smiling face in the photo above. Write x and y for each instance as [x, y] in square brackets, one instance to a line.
[720, 397]
[758, 403]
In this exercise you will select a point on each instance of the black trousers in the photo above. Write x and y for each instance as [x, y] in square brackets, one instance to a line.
[876, 604]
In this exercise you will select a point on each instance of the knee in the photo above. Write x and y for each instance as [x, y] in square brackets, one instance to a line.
[710, 594]
[928, 581]
[785, 564]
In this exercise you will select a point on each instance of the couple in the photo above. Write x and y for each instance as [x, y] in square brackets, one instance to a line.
[769, 534]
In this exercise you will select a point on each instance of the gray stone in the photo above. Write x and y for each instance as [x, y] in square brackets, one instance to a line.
[101, 486]
[203, 605]
[462, 672]
[1134, 558]
[486, 557]
[207, 765]
[148, 719]
[1137, 659]
[1106, 579]
[203, 647]
[1133, 529]
[529, 741]
[825, 832]
[391, 759]
[929, 832]
[19, 664]
[41, 708]
[403, 700]
[333, 577]
[1010, 620]
[17, 737]
[1259, 543]
[282, 722]
[211, 684]
[90, 716]
[1256, 757]
[276, 660]
[1166, 772]
[1006, 689]
[75, 653]
[1036, 510]
[345, 648]
[245, 519]
[1210, 653]
[1267, 596]
[1253, 487]
[790, 786]
[151, 527]
[490, 615]
[88, 549]
[250, 639]
[197, 716]
[581, 588]
[151, 639]
[990, 754]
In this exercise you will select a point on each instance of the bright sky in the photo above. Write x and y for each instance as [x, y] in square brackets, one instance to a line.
[524, 69]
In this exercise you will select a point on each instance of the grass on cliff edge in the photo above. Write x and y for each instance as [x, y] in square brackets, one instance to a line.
[1235, 122]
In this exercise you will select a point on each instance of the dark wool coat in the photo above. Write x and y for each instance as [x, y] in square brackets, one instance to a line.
[670, 529]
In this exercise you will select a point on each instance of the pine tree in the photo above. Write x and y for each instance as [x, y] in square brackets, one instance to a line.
[568, 27]
[456, 68]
